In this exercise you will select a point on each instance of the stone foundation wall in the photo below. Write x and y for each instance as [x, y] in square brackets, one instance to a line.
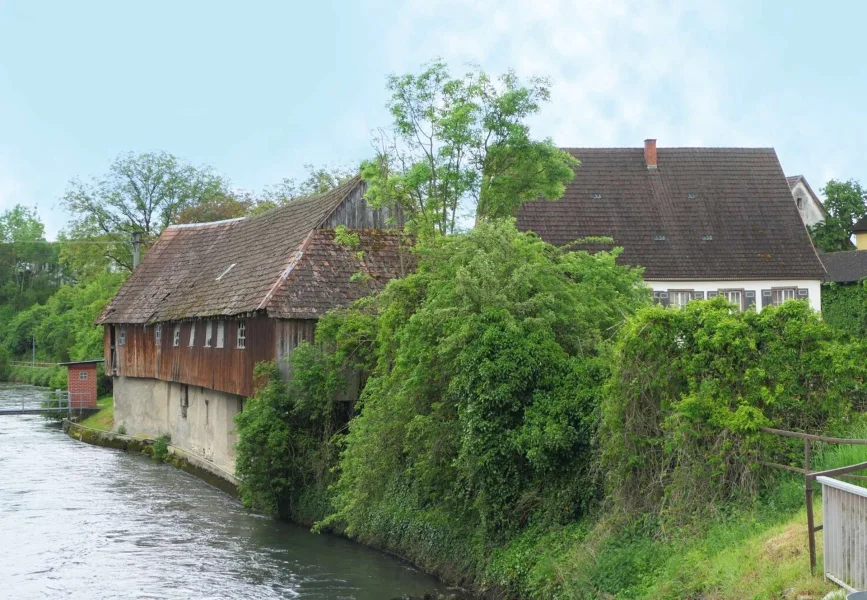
[199, 421]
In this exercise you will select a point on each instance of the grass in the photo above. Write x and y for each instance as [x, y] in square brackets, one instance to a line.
[104, 419]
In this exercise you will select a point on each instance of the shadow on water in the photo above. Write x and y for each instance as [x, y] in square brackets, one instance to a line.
[79, 521]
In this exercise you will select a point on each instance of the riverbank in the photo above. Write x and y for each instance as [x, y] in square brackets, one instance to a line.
[206, 471]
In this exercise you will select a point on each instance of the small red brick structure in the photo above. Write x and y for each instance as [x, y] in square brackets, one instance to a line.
[81, 382]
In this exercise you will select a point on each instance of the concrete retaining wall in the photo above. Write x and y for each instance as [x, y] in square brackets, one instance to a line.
[199, 421]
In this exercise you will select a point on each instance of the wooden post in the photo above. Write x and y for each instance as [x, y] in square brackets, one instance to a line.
[808, 491]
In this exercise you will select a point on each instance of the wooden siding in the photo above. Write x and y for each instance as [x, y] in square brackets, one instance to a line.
[228, 369]
[288, 334]
[356, 213]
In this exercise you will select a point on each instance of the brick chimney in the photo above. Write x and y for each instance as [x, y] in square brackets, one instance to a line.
[650, 153]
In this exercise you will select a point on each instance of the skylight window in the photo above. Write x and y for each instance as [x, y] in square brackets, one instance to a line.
[659, 238]
[706, 237]
[597, 196]
[691, 195]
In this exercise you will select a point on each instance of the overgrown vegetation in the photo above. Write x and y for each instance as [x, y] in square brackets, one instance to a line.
[529, 425]
[844, 307]
[160, 448]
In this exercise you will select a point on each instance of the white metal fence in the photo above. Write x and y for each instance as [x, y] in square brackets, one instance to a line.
[844, 508]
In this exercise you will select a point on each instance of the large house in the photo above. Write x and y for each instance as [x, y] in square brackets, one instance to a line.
[210, 301]
[701, 221]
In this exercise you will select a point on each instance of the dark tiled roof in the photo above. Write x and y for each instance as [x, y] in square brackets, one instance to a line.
[705, 213]
[226, 268]
[860, 226]
[328, 274]
[845, 267]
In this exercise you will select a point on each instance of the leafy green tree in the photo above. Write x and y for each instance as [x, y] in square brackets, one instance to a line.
[220, 207]
[140, 192]
[28, 263]
[318, 180]
[846, 204]
[463, 144]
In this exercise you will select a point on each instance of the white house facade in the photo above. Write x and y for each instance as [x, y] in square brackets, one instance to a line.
[701, 222]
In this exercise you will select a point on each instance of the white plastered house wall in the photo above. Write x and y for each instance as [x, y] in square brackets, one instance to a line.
[809, 206]
[758, 293]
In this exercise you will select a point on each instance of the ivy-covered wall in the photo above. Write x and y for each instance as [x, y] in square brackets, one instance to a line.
[844, 306]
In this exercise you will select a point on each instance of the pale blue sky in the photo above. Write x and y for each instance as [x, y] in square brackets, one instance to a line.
[256, 89]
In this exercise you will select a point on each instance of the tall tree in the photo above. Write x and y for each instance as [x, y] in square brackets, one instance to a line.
[318, 180]
[846, 204]
[140, 192]
[463, 144]
[28, 263]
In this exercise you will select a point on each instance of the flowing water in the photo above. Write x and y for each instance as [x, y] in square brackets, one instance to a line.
[78, 521]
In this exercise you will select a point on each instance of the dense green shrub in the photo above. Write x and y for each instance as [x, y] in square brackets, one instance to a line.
[691, 388]
[490, 360]
[844, 306]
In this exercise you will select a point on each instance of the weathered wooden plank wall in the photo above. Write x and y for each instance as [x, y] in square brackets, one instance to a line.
[356, 213]
[288, 334]
[228, 369]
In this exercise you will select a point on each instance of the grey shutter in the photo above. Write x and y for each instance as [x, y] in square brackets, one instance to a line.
[663, 298]
[712, 295]
[656, 298]
[698, 295]
[749, 299]
[767, 298]
[803, 294]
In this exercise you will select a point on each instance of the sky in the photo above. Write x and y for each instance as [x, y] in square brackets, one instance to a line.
[257, 89]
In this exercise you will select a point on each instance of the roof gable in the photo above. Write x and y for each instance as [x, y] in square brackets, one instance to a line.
[794, 180]
[704, 213]
[223, 268]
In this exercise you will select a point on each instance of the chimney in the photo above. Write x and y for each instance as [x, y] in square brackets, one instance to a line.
[650, 153]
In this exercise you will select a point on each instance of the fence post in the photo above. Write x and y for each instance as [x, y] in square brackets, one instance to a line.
[808, 491]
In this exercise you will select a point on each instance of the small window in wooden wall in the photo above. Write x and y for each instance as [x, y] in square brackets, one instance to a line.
[242, 335]
[209, 334]
[192, 334]
[158, 332]
[121, 337]
[177, 340]
[221, 334]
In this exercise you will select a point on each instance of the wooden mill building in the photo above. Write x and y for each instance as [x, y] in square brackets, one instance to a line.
[210, 301]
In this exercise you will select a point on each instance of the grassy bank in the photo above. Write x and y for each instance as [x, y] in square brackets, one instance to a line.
[104, 419]
[756, 551]
[49, 377]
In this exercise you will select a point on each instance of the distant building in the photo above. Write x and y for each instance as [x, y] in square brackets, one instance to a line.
[210, 301]
[809, 205]
[701, 221]
[845, 267]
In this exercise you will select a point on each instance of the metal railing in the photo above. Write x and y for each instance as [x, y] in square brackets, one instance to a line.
[844, 507]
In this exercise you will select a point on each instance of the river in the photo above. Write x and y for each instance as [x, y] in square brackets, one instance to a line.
[78, 521]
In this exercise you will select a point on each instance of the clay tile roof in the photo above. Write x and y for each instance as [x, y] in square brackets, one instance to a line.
[704, 213]
[237, 266]
[845, 267]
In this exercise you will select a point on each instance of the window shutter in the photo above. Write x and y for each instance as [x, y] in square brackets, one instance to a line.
[767, 298]
[656, 297]
[663, 298]
[712, 295]
[698, 295]
[803, 293]
[750, 299]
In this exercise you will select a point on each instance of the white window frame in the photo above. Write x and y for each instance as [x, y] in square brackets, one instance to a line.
[728, 294]
[121, 336]
[192, 334]
[209, 334]
[177, 338]
[241, 340]
[221, 334]
[780, 295]
[82, 375]
[158, 332]
[674, 297]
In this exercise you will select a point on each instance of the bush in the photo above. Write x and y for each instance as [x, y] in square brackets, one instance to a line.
[489, 367]
[691, 388]
[161, 448]
[844, 306]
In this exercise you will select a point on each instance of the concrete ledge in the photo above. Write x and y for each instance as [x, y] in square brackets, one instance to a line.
[194, 465]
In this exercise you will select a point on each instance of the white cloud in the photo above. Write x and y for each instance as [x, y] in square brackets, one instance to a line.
[622, 70]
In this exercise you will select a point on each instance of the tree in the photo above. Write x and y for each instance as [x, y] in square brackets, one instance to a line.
[463, 144]
[845, 203]
[318, 181]
[140, 192]
[220, 207]
[28, 263]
